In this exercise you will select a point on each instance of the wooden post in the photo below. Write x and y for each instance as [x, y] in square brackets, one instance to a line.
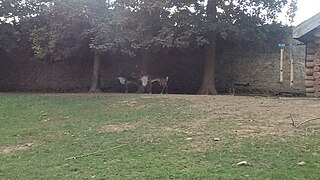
[292, 72]
[281, 64]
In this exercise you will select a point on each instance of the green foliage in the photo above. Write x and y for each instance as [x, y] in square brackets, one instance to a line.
[114, 30]
[58, 29]
[8, 37]
[17, 18]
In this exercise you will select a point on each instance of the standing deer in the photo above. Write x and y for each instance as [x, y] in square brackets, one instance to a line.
[126, 81]
[149, 80]
[163, 82]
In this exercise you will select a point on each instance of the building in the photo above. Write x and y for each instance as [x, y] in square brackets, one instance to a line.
[309, 33]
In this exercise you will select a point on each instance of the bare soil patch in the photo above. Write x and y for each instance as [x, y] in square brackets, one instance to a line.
[118, 127]
[254, 116]
[238, 117]
[13, 148]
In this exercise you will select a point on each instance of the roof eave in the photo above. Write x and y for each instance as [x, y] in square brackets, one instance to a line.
[307, 26]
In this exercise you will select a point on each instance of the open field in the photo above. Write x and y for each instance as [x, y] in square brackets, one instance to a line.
[129, 136]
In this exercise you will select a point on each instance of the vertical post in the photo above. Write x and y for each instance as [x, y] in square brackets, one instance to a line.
[291, 65]
[281, 64]
[292, 72]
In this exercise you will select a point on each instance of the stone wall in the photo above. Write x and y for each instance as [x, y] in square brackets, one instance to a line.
[261, 70]
[312, 82]
[236, 66]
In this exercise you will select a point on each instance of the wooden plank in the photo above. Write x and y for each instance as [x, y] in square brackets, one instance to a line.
[316, 75]
[316, 88]
[311, 51]
[309, 72]
[281, 64]
[310, 94]
[310, 78]
[309, 84]
[317, 62]
[316, 68]
[309, 65]
[310, 58]
[310, 90]
[306, 26]
[316, 94]
[317, 82]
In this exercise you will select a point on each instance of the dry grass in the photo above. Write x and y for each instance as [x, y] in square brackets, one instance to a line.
[118, 127]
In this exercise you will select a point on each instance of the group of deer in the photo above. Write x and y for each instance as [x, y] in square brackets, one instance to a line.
[145, 81]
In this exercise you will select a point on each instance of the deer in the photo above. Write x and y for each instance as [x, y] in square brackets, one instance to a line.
[149, 80]
[128, 80]
[163, 82]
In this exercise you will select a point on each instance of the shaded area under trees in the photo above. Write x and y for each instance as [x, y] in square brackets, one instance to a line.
[62, 30]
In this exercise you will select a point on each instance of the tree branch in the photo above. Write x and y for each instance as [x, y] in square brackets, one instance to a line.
[296, 126]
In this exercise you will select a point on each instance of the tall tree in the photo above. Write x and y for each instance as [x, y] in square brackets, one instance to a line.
[202, 22]
[65, 27]
[243, 18]
[113, 30]
[184, 24]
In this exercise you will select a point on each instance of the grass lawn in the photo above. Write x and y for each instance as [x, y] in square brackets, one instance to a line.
[120, 136]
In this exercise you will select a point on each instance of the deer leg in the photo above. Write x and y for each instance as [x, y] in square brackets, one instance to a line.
[150, 87]
[126, 87]
[166, 89]
[162, 89]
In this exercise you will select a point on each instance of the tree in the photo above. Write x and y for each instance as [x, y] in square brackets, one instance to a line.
[65, 27]
[203, 21]
[59, 29]
[15, 22]
[113, 31]
[240, 18]
[186, 24]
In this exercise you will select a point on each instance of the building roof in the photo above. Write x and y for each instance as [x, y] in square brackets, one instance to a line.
[305, 27]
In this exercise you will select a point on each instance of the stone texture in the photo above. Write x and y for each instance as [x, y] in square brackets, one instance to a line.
[310, 83]
[316, 68]
[260, 69]
[309, 72]
[309, 64]
[310, 90]
[309, 78]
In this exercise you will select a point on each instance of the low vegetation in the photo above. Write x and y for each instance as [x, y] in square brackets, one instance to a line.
[115, 136]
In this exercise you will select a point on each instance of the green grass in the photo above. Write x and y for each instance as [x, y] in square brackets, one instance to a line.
[64, 126]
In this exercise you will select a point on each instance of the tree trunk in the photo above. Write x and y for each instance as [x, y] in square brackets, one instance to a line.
[96, 84]
[208, 79]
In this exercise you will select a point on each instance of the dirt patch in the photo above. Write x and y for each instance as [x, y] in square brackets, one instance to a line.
[13, 148]
[253, 116]
[118, 127]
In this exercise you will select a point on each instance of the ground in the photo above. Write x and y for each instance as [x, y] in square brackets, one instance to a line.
[129, 136]
[258, 116]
